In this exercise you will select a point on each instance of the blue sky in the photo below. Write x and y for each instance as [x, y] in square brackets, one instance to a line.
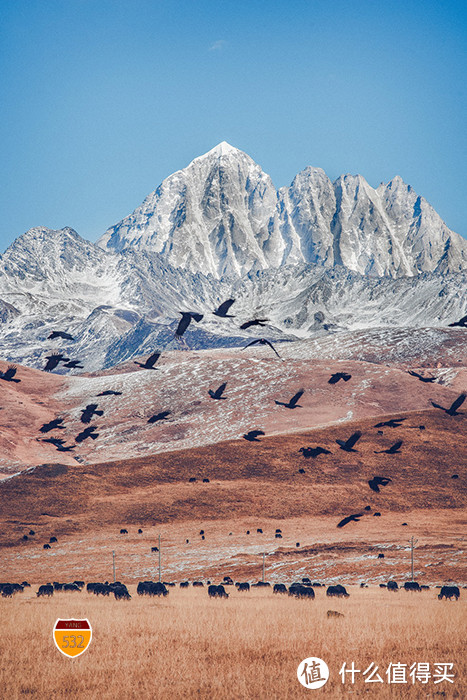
[102, 99]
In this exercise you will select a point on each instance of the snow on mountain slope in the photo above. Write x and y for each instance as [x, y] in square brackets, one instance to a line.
[54, 270]
[377, 361]
[212, 216]
[222, 215]
[313, 259]
[120, 305]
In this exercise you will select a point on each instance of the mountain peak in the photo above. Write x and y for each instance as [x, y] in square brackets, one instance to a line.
[222, 215]
[222, 149]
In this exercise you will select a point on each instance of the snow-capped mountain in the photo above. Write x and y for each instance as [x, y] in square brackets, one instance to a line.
[315, 258]
[119, 305]
[212, 217]
[222, 215]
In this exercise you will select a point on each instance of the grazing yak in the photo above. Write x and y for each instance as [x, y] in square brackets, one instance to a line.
[152, 588]
[412, 586]
[449, 592]
[337, 590]
[279, 588]
[184, 584]
[245, 586]
[46, 546]
[123, 531]
[300, 591]
[392, 586]
[98, 588]
[197, 583]
[46, 589]
[120, 592]
[217, 591]
[71, 587]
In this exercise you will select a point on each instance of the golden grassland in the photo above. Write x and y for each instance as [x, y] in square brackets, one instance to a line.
[249, 646]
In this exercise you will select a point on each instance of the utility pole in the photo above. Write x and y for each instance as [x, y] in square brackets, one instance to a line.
[412, 542]
[113, 562]
[160, 571]
[264, 556]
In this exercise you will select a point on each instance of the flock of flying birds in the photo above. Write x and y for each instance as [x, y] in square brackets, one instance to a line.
[348, 445]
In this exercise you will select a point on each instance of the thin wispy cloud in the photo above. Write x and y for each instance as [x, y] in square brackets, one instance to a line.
[218, 45]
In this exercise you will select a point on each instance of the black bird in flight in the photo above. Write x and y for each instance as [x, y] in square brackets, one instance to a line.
[356, 518]
[378, 481]
[54, 424]
[452, 410]
[60, 334]
[187, 318]
[88, 412]
[218, 393]
[339, 375]
[293, 403]
[89, 432]
[421, 377]
[74, 364]
[392, 423]
[394, 449]
[59, 444]
[255, 322]
[462, 323]
[221, 311]
[65, 448]
[252, 435]
[53, 441]
[9, 375]
[54, 360]
[159, 416]
[110, 392]
[314, 451]
[263, 341]
[348, 444]
[149, 362]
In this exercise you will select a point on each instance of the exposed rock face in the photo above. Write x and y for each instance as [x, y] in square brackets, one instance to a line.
[222, 215]
[211, 217]
[314, 258]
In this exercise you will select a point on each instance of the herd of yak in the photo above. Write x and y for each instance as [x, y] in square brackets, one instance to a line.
[303, 589]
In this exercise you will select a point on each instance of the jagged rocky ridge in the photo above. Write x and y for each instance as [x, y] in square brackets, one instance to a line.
[222, 215]
[207, 234]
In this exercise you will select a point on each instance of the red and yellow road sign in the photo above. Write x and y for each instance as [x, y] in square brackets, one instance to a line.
[72, 637]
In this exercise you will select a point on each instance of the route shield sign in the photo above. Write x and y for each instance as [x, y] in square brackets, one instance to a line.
[72, 637]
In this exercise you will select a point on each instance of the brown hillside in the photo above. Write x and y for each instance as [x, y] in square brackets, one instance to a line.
[251, 485]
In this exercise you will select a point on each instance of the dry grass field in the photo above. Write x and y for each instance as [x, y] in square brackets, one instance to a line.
[246, 647]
